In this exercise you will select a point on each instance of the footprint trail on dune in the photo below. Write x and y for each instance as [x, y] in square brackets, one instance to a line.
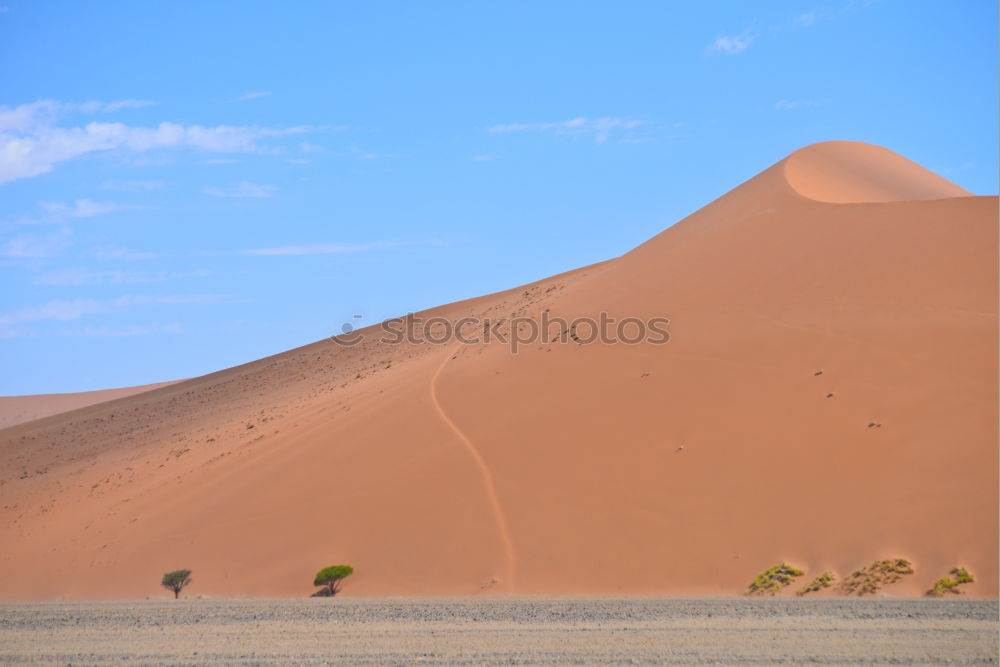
[484, 470]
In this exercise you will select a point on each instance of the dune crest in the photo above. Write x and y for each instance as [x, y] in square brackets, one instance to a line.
[852, 172]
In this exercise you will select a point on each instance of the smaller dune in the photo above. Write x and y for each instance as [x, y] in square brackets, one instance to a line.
[21, 409]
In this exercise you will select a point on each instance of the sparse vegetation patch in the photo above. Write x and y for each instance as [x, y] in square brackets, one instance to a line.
[959, 576]
[818, 583]
[773, 579]
[868, 580]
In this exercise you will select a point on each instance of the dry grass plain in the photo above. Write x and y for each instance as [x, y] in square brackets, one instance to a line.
[537, 630]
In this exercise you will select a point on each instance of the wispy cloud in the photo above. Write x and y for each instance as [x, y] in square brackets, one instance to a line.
[46, 112]
[731, 45]
[79, 277]
[114, 253]
[807, 20]
[31, 143]
[331, 248]
[61, 212]
[599, 128]
[112, 107]
[133, 186]
[36, 246]
[66, 310]
[313, 249]
[792, 105]
[965, 166]
[81, 208]
[243, 190]
[250, 95]
[112, 332]
[54, 310]
[482, 158]
[307, 147]
[816, 16]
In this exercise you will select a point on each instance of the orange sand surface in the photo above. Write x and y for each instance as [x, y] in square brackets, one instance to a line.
[828, 397]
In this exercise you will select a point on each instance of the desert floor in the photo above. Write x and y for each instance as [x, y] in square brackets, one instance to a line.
[396, 631]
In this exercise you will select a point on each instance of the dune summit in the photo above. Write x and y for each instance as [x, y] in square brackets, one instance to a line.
[827, 398]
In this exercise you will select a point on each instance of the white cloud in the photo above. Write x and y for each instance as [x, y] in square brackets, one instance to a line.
[243, 190]
[310, 148]
[599, 128]
[81, 208]
[792, 105]
[296, 160]
[251, 95]
[31, 143]
[732, 45]
[482, 158]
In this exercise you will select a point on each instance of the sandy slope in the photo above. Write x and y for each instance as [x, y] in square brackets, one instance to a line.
[841, 289]
[20, 409]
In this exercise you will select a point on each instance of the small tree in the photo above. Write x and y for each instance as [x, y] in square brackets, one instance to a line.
[176, 581]
[332, 576]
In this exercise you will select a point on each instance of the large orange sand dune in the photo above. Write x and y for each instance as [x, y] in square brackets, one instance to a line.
[828, 397]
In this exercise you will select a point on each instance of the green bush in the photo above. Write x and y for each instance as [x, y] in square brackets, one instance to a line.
[176, 581]
[822, 581]
[868, 580]
[332, 576]
[773, 579]
[949, 585]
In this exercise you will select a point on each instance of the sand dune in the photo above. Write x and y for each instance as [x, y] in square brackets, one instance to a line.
[828, 397]
[20, 409]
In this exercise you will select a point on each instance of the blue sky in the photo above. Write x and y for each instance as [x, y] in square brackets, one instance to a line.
[187, 186]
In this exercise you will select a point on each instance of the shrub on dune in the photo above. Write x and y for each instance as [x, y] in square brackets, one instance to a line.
[176, 581]
[950, 585]
[773, 579]
[331, 577]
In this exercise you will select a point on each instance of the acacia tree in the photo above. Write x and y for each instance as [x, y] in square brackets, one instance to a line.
[332, 576]
[176, 581]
